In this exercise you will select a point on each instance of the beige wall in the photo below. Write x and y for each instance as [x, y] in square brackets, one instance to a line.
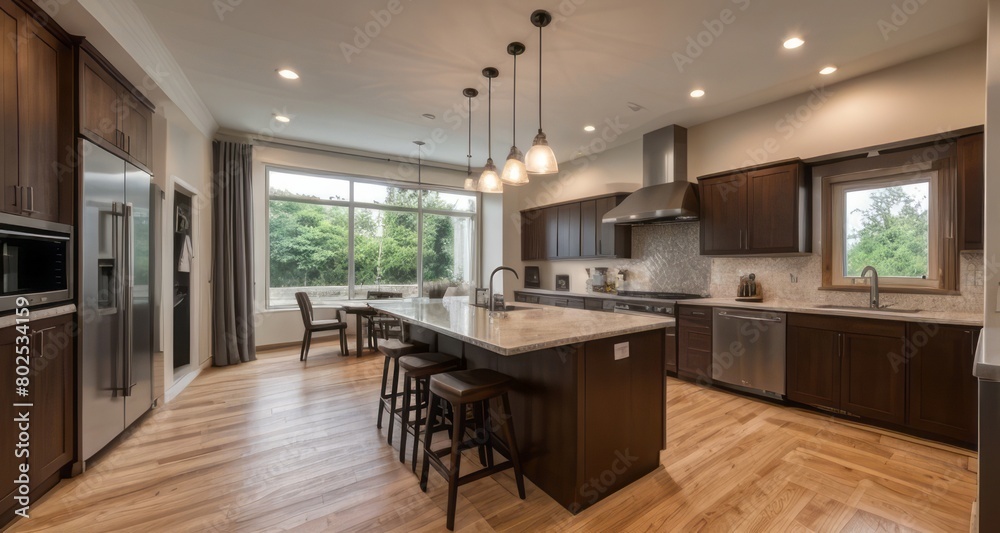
[277, 326]
[181, 153]
[992, 267]
[938, 93]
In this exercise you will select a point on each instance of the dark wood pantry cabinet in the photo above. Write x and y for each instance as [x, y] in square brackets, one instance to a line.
[574, 230]
[36, 115]
[758, 211]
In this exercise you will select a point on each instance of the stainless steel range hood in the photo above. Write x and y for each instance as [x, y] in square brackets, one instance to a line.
[666, 196]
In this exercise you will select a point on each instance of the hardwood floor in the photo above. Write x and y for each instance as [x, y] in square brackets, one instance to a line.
[283, 445]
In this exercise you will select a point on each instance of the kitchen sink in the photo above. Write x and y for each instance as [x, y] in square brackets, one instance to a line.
[866, 308]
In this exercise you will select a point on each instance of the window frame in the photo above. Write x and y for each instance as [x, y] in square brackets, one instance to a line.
[474, 216]
[880, 171]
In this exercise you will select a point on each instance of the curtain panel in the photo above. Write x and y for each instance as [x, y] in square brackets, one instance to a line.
[232, 254]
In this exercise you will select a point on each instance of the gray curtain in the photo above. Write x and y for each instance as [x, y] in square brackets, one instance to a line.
[232, 254]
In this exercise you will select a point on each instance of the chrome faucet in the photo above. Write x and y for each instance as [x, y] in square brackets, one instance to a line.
[874, 294]
[495, 270]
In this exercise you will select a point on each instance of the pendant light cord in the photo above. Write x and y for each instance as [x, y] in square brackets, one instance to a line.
[539, 77]
[468, 156]
[513, 132]
[489, 123]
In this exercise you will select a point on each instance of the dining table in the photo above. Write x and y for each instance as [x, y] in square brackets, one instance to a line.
[361, 311]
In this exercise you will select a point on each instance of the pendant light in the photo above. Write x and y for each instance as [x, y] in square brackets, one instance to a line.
[540, 158]
[514, 172]
[489, 181]
[470, 182]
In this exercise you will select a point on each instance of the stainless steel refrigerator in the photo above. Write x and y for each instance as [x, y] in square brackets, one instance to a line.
[115, 315]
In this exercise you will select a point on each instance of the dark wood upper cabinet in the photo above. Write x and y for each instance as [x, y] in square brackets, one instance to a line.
[762, 211]
[943, 391]
[590, 228]
[971, 183]
[37, 118]
[113, 114]
[8, 109]
[574, 230]
[724, 214]
[569, 231]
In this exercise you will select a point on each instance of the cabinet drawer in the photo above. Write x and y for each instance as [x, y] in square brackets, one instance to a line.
[859, 325]
[696, 312]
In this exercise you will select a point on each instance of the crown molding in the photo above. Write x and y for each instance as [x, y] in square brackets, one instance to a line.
[127, 25]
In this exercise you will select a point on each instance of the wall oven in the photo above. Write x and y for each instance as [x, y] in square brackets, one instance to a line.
[37, 261]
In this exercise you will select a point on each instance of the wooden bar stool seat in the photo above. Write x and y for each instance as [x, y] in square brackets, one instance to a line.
[461, 389]
[417, 368]
[393, 349]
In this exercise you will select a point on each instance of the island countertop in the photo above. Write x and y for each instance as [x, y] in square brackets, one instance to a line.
[527, 328]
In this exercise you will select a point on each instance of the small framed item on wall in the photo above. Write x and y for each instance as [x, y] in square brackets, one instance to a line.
[532, 278]
[562, 282]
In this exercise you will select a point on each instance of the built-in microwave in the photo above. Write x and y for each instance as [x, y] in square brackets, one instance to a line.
[37, 259]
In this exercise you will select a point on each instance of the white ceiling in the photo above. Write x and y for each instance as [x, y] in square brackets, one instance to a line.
[597, 58]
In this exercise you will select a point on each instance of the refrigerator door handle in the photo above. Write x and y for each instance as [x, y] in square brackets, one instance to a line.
[116, 258]
[129, 282]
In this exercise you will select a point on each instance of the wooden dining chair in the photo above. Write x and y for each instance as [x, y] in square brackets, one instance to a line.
[311, 326]
[382, 325]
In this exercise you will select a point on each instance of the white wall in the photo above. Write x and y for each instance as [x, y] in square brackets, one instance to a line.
[280, 326]
[182, 152]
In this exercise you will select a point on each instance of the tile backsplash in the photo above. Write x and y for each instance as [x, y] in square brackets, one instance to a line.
[666, 258]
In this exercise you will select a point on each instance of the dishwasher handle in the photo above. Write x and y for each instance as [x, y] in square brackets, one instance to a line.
[724, 314]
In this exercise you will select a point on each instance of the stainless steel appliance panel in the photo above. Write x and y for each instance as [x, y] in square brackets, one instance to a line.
[748, 350]
[139, 362]
[103, 407]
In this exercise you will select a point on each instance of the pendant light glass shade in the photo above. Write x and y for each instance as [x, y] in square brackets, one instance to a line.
[470, 185]
[540, 159]
[489, 181]
[514, 172]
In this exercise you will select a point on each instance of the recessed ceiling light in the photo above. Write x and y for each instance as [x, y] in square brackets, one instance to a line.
[588, 127]
[288, 74]
[282, 118]
[697, 93]
[794, 42]
[428, 116]
[828, 70]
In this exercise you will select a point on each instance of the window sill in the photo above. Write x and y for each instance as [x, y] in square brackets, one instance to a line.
[888, 289]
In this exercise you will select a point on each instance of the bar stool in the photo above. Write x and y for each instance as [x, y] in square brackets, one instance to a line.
[393, 349]
[460, 389]
[419, 368]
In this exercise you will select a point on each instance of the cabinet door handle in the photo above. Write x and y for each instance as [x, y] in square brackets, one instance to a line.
[27, 200]
[31, 199]
[17, 194]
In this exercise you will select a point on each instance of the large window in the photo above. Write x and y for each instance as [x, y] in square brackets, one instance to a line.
[897, 220]
[339, 237]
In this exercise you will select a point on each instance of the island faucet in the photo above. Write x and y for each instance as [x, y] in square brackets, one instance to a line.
[874, 294]
[495, 270]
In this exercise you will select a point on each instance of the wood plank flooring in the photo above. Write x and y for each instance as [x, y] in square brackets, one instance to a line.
[282, 445]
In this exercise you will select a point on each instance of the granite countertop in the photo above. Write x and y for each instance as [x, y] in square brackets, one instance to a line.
[527, 328]
[39, 314]
[597, 295]
[927, 316]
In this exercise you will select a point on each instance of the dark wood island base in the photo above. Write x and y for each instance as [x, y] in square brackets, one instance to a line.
[587, 423]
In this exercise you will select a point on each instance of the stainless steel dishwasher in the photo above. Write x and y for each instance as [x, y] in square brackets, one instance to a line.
[748, 350]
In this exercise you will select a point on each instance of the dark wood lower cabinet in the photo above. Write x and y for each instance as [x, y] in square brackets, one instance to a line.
[812, 366]
[50, 418]
[943, 391]
[873, 379]
[694, 343]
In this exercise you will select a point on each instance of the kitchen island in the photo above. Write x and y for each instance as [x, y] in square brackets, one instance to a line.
[589, 406]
